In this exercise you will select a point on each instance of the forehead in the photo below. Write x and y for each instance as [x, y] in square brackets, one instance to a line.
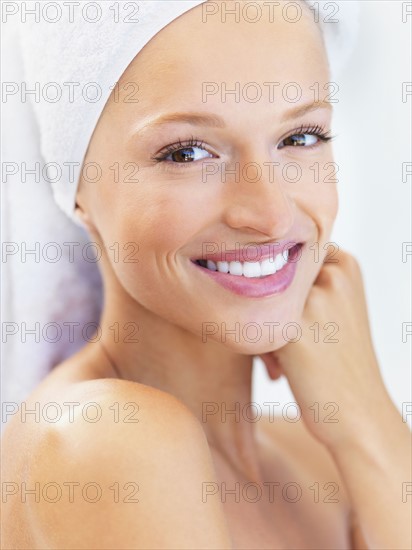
[279, 45]
[212, 40]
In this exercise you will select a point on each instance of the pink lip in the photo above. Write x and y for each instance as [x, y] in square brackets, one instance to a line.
[252, 253]
[259, 287]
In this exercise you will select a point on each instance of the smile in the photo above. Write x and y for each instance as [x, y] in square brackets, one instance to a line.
[269, 276]
[248, 269]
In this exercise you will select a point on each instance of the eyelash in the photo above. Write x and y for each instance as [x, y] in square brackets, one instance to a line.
[313, 130]
[192, 142]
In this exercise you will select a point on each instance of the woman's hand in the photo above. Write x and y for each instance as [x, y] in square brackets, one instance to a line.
[345, 404]
[332, 370]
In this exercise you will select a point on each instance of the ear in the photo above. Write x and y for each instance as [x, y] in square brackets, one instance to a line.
[84, 218]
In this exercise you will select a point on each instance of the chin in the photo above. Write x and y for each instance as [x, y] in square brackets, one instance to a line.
[258, 348]
[268, 344]
[259, 329]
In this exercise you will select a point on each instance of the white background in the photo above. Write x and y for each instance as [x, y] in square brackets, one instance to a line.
[374, 129]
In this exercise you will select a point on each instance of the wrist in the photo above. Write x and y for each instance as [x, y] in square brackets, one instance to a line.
[378, 435]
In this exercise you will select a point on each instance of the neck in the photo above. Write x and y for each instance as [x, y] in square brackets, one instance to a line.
[213, 381]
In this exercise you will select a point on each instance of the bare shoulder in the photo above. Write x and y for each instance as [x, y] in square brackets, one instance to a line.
[79, 395]
[121, 458]
[110, 411]
[118, 418]
[60, 409]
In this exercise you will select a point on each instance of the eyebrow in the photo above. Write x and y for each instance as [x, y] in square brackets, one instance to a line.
[301, 110]
[215, 121]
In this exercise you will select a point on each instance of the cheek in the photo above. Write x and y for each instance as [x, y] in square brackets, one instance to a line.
[161, 219]
[324, 208]
[311, 181]
[154, 224]
[319, 201]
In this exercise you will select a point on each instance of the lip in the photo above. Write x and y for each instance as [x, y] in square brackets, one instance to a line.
[259, 287]
[250, 253]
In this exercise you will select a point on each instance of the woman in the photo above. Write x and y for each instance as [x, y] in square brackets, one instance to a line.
[159, 460]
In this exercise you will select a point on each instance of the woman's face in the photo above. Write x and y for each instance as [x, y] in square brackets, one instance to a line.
[256, 173]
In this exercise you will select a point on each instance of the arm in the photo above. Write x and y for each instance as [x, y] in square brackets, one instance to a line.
[149, 475]
[367, 438]
[376, 470]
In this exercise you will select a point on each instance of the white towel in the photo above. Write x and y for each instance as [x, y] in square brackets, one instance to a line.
[40, 294]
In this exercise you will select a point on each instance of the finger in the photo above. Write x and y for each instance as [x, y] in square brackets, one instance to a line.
[272, 365]
[343, 266]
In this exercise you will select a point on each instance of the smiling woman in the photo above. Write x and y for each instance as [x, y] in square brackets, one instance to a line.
[205, 210]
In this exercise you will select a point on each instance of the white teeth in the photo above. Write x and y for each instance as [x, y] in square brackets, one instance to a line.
[236, 268]
[251, 269]
[279, 262]
[223, 267]
[268, 266]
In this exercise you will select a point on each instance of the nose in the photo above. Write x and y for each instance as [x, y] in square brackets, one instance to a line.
[259, 203]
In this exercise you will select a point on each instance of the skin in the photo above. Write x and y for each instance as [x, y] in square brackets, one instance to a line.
[171, 372]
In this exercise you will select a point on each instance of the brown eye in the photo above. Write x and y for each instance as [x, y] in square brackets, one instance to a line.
[299, 140]
[187, 154]
[183, 155]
